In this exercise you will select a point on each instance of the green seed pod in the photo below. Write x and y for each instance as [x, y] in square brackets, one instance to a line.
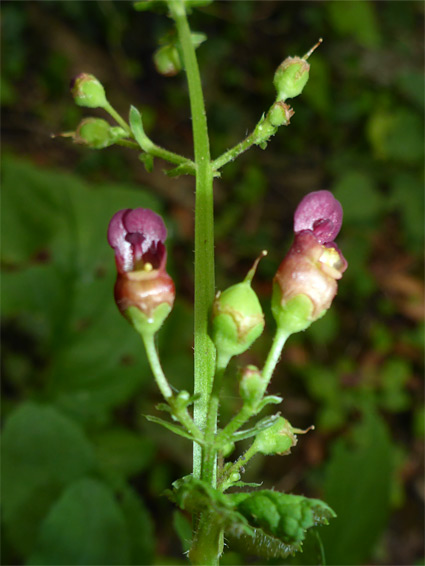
[251, 386]
[292, 75]
[97, 133]
[237, 317]
[277, 439]
[88, 91]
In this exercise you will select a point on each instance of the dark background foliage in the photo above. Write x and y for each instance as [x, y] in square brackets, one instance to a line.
[83, 471]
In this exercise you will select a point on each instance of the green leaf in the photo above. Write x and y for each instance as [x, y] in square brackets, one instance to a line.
[280, 515]
[121, 453]
[85, 526]
[65, 299]
[42, 451]
[139, 527]
[193, 495]
[357, 19]
[176, 429]
[357, 485]
[183, 528]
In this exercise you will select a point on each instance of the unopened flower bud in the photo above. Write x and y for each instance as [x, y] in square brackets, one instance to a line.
[306, 280]
[251, 386]
[88, 91]
[237, 317]
[97, 133]
[277, 439]
[167, 60]
[292, 75]
[144, 292]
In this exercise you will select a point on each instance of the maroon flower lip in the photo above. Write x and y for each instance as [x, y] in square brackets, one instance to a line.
[321, 213]
[137, 237]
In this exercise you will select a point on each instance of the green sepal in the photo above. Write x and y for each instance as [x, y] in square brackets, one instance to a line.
[261, 425]
[269, 400]
[147, 161]
[147, 326]
[180, 431]
[284, 516]
[294, 315]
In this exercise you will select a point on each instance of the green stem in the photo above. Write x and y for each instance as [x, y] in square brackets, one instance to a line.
[204, 230]
[112, 112]
[274, 356]
[234, 152]
[179, 412]
[235, 424]
[152, 354]
[262, 132]
[209, 461]
[246, 412]
[226, 480]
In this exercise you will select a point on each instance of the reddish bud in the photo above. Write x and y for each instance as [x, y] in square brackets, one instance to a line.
[137, 237]
[306, 281]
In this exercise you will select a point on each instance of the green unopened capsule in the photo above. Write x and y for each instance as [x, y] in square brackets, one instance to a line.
[237, 317]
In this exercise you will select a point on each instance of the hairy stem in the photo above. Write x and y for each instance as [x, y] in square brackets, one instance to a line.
[152, 354]
[204, 229]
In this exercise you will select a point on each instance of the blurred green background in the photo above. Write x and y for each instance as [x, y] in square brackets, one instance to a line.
[83, 471]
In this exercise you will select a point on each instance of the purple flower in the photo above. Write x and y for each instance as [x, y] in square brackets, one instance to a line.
[314, 262]
[137, 237]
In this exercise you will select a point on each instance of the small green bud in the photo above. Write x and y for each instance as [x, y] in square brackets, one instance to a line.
[251, 386]
[280, 114]
[88, 91]
[237, 317]
[167, 60]
[292, 75]
[277, 439]
[227, 449]
[97, 133]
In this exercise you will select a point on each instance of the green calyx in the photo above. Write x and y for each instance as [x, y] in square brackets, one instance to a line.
[277, 439]
[237, 317]
[97, 133]
[145, 325]
[294, 315]
[88, 91]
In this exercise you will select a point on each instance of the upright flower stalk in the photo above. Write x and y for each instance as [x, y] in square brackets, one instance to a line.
[226, 323]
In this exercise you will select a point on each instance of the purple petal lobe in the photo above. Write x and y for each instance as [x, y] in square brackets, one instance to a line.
[321, 213]
[146, 222]
[133, 233]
